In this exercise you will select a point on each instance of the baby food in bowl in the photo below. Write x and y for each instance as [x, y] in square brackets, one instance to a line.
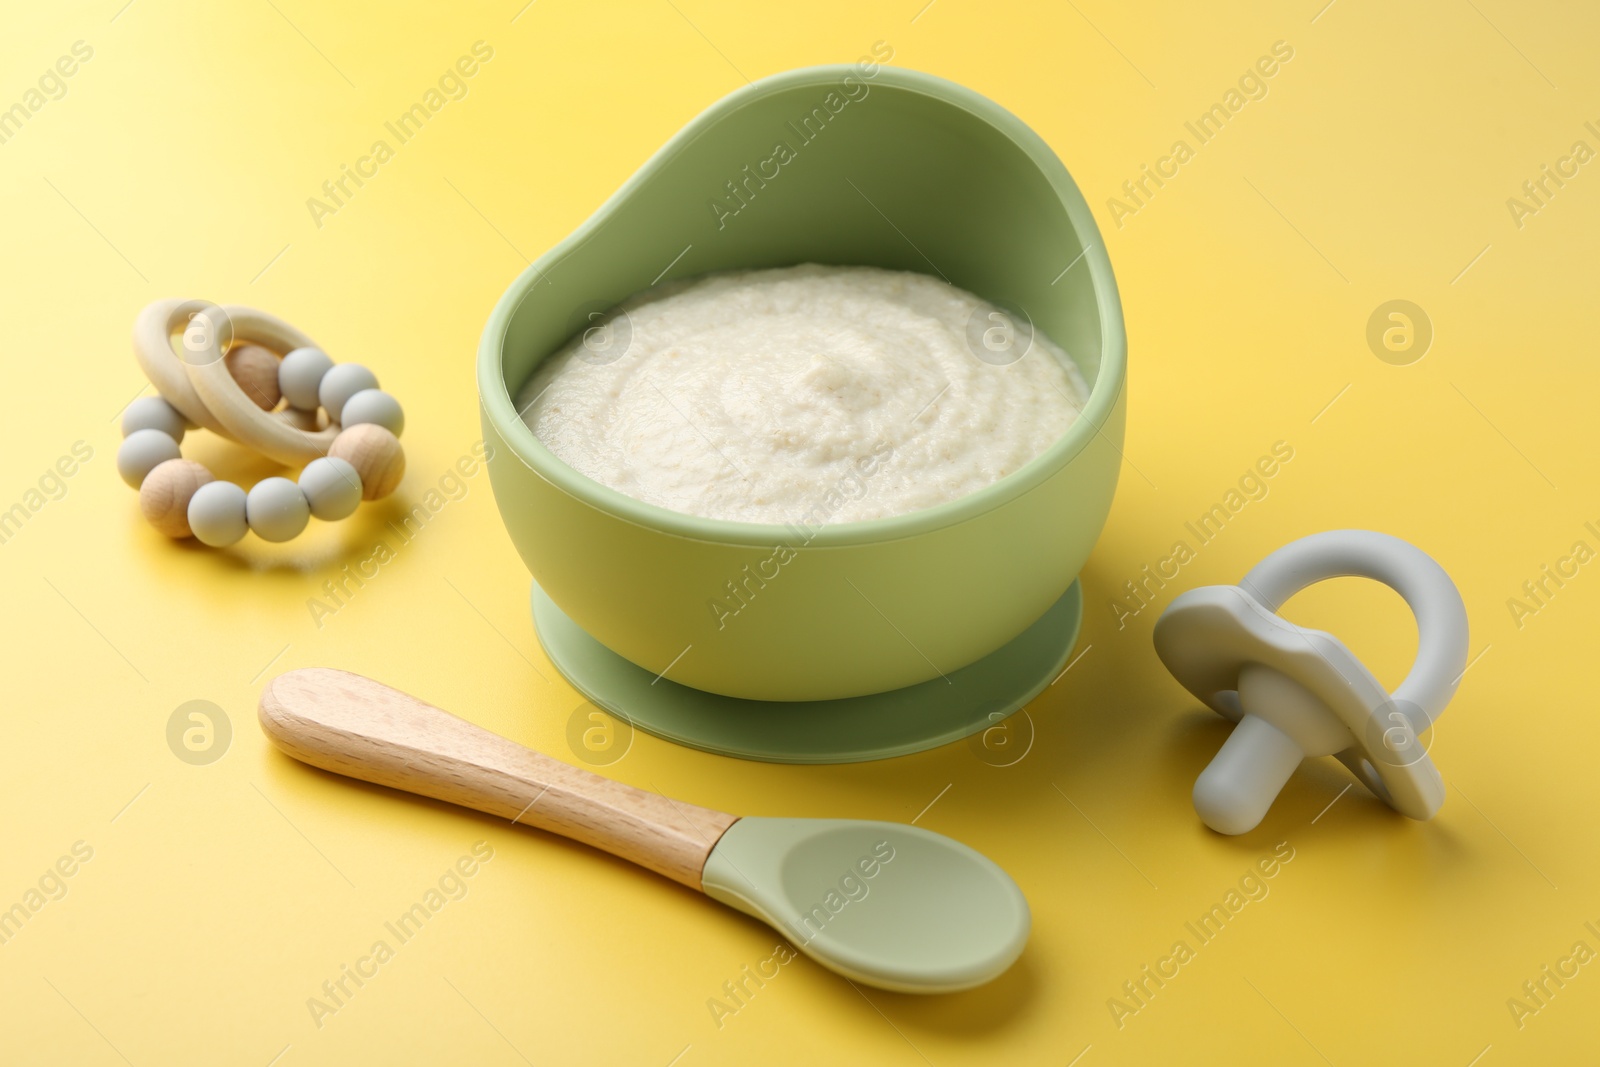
[803, 395]
[975, 543]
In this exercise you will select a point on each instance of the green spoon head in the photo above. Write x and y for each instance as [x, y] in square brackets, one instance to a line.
[887, 904]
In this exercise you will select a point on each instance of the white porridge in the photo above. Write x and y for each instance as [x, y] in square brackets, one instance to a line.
[804, 394]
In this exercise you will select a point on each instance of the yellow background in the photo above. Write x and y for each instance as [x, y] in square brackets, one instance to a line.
[220, 897]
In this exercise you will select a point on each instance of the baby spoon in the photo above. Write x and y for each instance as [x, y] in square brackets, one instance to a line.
[887, 904]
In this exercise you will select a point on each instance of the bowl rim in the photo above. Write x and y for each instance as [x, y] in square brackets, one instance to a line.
[496, 401]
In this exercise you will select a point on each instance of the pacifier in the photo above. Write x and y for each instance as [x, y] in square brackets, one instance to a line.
[1297, 692]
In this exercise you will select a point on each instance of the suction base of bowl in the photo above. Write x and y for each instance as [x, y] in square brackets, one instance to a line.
[850, 730]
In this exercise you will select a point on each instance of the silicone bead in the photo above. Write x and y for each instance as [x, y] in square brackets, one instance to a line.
[299, 375]
[376, 407]
[217, 514]
[256, 371]
[276, 509]
[164, 497]
[141, 452]
[340, 384]
[376, 455]
[332, 488]
[153, 413]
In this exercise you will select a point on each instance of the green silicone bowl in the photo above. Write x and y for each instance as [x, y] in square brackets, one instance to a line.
[883, 167]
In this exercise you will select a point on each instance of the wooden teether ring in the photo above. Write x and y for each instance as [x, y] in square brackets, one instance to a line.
[201, 388]
[356, 456]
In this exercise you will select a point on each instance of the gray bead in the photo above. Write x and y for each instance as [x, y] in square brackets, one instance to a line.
[276, 509]
[217, 514]
[141, 452]
[299, 375]
[154, 413]
[340, 384]
[374, 406]
[332, 488]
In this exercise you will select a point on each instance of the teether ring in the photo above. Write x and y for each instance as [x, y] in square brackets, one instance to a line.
[1297, 692]
[237, 365]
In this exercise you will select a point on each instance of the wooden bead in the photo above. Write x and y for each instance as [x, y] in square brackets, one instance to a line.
[164, 497]
[376, 455]
[256, 371]
[300, 419]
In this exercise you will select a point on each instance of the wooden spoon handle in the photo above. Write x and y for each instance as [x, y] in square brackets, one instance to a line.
[363, 729]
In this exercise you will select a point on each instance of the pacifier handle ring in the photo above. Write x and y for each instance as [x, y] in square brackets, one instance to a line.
[1433, 598]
